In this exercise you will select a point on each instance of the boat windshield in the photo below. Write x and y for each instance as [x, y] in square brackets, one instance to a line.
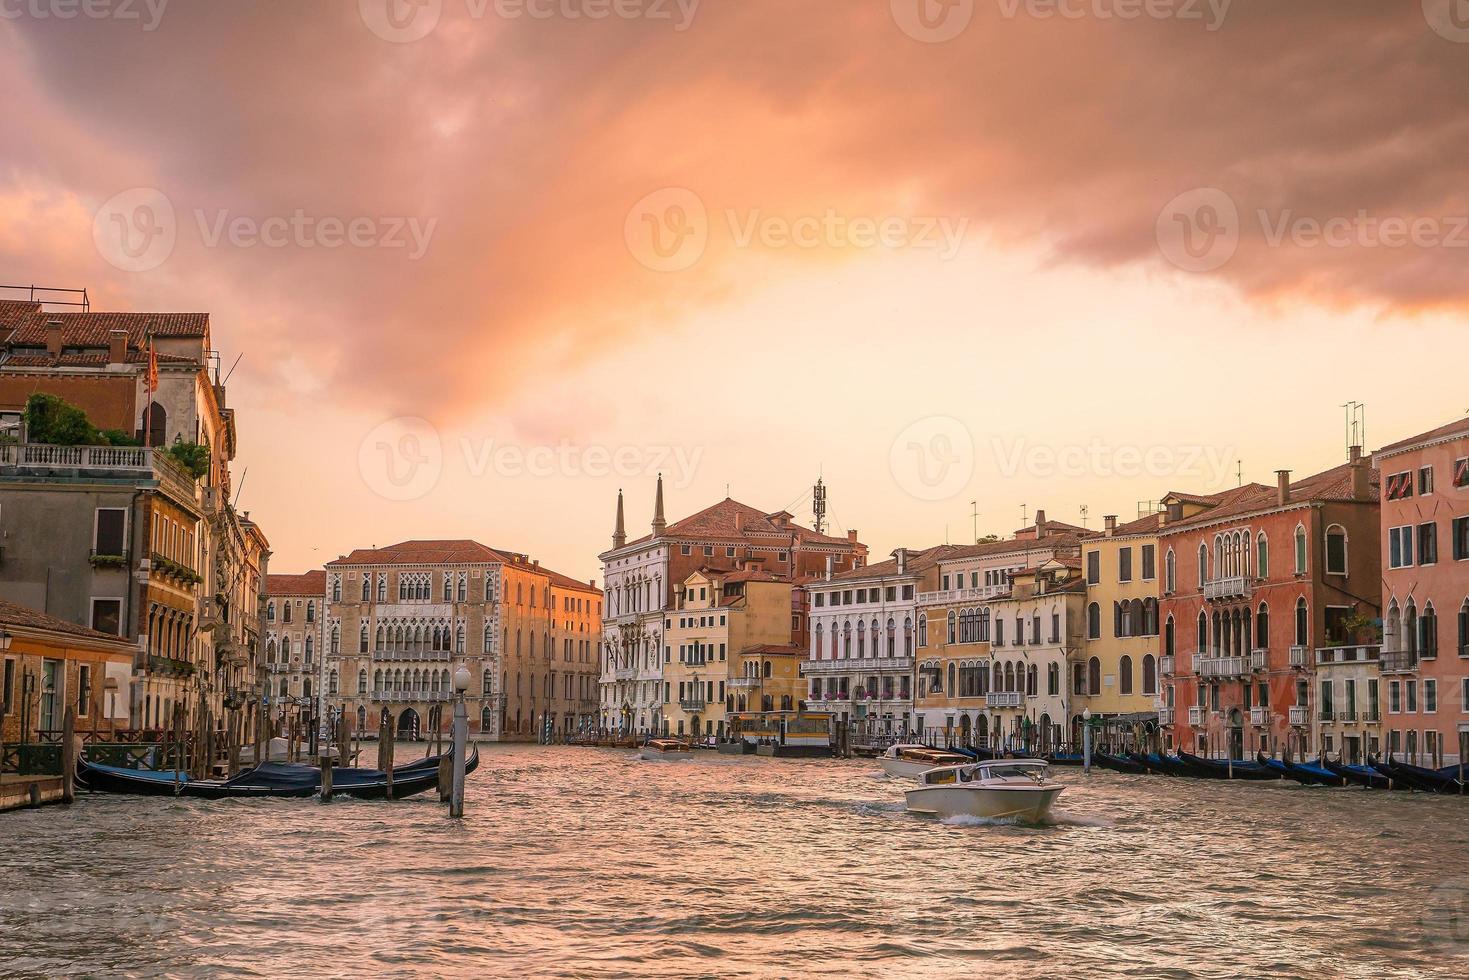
[1001, 770]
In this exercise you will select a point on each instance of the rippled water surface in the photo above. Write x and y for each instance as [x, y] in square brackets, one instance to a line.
[587, 862]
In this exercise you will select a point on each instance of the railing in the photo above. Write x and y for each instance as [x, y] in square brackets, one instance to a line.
[1259, 716]
[625, 674]
[1347, 655]
[960, 595]
[401, 696]
[80, 457]
[1299, 716]
[1298, 656]
[1197, 716]
[1165, 717]
[169, 666]
[1346, 714]
[1223, 666]
[1259, 660]
[692, 704]
[1166, 664]
[401, 656]
[1232, 587]
[856, 665]
[1399, 661]
[743, 683]
[1004, 699]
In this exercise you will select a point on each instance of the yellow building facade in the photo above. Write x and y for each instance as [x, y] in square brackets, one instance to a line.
[1118, 674]
[727, 648]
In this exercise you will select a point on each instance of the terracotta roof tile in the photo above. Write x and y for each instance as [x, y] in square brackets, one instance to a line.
[454, 552]
[1459, 428]
[309, 583]
[92, 329]
[14, 614]
[730, 520]
[1330, 485]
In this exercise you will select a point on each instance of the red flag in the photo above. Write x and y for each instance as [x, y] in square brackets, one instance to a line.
[152, 368]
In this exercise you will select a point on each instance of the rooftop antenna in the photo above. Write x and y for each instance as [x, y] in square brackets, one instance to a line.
[818, 506]
[1239, 471]
[1084, 511]
[1024, 516]
[1356, 413]
[975, 515]
[231, 371]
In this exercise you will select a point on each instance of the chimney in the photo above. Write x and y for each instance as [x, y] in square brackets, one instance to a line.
[1040, 524]
[619, 531]
[592, 582]
[902, 555]
[1361, 474]
[739, 521]
[658, 522]
[117, 346]
[828, 567]
[852, 535]
[1282, 478]
[53, 337]
[1110, 525]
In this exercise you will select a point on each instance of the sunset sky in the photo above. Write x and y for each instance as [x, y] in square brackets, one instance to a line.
[486, 262]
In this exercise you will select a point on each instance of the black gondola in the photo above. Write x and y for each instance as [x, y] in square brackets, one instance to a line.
[1231, 769]
[271, 780]
[1364, 776]
[1426, 780]
[1119, 763]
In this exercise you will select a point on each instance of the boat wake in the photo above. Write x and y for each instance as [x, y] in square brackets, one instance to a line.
[1060, 818]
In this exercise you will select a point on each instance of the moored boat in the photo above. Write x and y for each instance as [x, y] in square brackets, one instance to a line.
[1355, 775]
[665, 750]
[1119, 763]
[1227, 768]
[1419, 778]
[910, 761]
[1018, 788]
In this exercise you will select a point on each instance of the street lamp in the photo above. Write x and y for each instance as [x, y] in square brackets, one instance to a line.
[460, 740]
[4, 641]
[1086, 740]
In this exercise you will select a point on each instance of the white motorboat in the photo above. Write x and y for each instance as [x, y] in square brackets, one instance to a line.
[998, 789]
[910, 761]
[665, 750]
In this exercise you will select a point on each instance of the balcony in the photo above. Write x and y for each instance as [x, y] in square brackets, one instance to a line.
[1300, 716]
[1299, 656]
[834, 702]
[1259, 660]
[1232, 587]
[1347, 655]
[1347, 715]
[1166, 664]
[1004, 699]
[401, 697]
[169, 666]
[1165, 717]
[1197, 716]
[743, 683]
[1399, 661]
[1222, 667]
[692, 704]
[625, 674]
[408, 656]
[1259, 717]
[856, 665]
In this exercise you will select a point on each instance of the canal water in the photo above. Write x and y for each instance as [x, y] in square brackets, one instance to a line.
[589, 863]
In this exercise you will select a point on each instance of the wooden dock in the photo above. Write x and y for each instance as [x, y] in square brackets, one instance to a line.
[20, 792]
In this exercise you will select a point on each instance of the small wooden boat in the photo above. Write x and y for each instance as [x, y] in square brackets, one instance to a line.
[1161, 765]
[1119, 763]
[1228, 769]
[1018, 788]
[1353, 775]
[665, 750]
[1305, 773]
[1419, 778]
[271, 780]
[910, 761]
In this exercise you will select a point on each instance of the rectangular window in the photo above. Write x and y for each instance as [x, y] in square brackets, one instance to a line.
[1428, 543]
[111, 531]
[1410, 688]
[1400, 547]
[1425, 481]
[107, 616]
[907, 592]
[1461, 538]
[820, 599]
[1461, 473]
[84, 690]
[1399, 486]
[1430, 695]
[686, 549]
[1394, 697]
[1124, 565]
[892, 594]
[1336, 552]
[7, 693]
[1150, 562]
[1093, 567]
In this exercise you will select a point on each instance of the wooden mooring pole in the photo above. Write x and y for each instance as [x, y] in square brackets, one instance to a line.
[68, 756]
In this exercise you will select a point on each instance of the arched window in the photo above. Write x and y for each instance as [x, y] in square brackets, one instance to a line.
[366, 588]
[310, 610]
[1094, 676]
[1336, 550]
[1203, 635]
[1303, 624]
[1300, 549]
[923, 629]
[846, 639]
[1094, 622]
[362, 681]
[861, 638]
[1262, 556]
[907, 636]
[459, 640]
[1169, 640]
[1170, 571]
[362, 639]
[285, 649]
[1150, 617]
[1124, 675]
[1262, 627]
[766, 669]
[953, 633]
[892, 638]
[952, 688]
[1428, 633]
[1203, 565]
[1464, 629]
[309, 644]
[155, 425]
[270, 610]
[1150, 674]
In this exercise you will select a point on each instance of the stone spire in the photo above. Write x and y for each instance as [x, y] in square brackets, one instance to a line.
[658, 522]
[619, 533]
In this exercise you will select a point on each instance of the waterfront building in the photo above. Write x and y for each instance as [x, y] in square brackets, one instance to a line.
[640, 576]
[728, 649]
[1255, 580]
[401, 618]
[1424, 540]
[956, 624]
[1117, 676]
[137, 541]
[48, 664]
[293, 638]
